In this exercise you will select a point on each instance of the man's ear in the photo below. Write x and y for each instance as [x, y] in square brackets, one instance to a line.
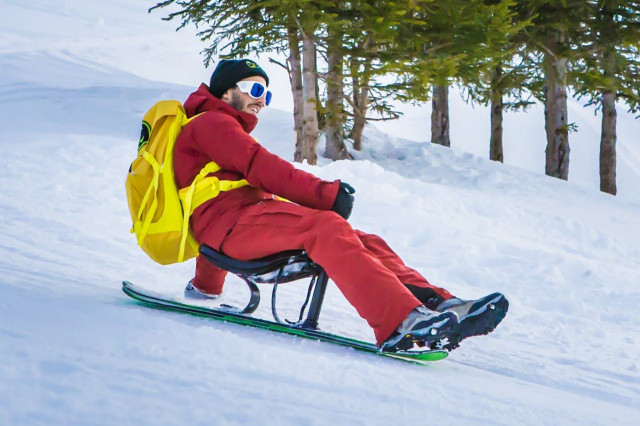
[226, 96]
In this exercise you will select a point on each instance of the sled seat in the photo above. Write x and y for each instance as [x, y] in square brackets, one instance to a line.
[276, 269]
[292, 265]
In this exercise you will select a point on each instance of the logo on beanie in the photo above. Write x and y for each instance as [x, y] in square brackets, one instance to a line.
[251, 64]
[144, 135]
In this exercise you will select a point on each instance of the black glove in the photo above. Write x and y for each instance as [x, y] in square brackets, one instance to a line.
[344, 200]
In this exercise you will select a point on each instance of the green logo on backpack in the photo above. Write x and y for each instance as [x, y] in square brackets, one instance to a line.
[144, 135]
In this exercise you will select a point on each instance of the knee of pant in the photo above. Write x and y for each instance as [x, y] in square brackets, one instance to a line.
[329, 222]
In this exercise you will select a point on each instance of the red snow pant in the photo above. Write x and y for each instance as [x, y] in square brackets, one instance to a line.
[367, 272]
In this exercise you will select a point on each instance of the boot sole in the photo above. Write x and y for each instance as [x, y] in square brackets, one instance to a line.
[424, 336]
[485, 317]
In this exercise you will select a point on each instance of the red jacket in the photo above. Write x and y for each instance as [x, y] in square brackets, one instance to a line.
[222, 135]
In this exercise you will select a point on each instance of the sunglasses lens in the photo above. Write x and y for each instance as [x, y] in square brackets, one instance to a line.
[267, 99]
[257, 90]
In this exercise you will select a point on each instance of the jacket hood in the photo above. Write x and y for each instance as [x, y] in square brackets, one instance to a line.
[202, 101]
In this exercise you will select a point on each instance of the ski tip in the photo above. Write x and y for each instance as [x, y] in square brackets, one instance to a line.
[419, 356]
[433, 356]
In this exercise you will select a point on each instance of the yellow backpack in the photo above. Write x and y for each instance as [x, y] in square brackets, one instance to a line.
[159, 211]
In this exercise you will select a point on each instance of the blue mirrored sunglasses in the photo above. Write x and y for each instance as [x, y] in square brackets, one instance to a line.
[255, 90]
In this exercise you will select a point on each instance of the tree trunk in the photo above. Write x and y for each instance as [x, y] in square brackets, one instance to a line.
[360, 102]
[608, 132]
[440, 115]
[309, 81]
[322, 117]
[296, 88]
[608, 144]
[555, 113]
[496, 153]
[335, 148]
[361, 82]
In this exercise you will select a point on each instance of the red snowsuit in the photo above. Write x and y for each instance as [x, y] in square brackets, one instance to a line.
[249, 223]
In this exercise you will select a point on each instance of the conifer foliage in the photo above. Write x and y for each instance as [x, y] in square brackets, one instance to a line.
[349, 61]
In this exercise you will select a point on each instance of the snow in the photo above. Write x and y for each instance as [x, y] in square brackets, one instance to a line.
[76, 78]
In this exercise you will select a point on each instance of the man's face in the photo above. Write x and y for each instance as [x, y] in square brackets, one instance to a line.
[241, 101]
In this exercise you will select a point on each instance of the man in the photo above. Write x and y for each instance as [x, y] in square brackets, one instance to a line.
[251, 222]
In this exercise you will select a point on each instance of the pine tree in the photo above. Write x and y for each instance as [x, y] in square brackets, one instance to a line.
[503, 74]
[449, 42]
[552, 41]
[335, 17]
[370, 48]
[608, 71]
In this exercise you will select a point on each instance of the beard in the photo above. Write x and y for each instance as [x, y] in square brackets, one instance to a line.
[240, 103]
[236, 101]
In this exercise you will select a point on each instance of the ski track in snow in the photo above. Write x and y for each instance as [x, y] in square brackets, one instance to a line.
[76, 79]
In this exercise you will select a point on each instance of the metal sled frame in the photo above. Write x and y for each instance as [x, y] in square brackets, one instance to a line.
[276, 269]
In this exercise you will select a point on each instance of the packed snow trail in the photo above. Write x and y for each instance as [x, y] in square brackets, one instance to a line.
[75, 350]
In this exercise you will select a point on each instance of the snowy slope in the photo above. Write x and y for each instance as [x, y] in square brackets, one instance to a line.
[75, 78]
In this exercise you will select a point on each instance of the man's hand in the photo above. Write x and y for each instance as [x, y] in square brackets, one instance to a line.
[344, 200]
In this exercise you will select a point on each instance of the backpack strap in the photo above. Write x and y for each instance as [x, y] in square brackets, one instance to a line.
[152, 189]
[201, 190]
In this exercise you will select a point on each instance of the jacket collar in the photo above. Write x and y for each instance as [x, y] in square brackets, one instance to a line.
[202, 100]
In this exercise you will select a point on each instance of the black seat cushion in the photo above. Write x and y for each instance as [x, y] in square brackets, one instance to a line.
[256, 266]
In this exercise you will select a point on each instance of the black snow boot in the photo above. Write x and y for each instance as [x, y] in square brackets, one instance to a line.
[422, 327]
[475, 317]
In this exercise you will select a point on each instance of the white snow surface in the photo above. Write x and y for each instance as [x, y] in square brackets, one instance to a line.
[76, 77]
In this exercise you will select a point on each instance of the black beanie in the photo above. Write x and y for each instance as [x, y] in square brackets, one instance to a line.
[230, 71]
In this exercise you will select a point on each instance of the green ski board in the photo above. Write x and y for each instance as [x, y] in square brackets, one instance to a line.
[419, 356]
